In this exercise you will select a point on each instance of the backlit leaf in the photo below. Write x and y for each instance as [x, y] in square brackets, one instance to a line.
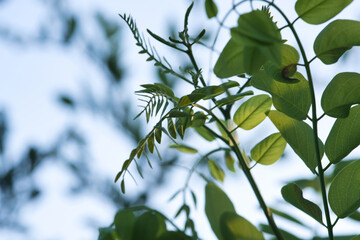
[234, 226]
[211, 9]
[294, 195]
[342, 92]
[292, 99]
[216, 171]
[216, 203]
[231, 60]
[299, 136]
[344, 192]
[319, 11]
[344, 136]
[335, 39]
[269, 150]
[184, 148]
[206, 134]
[252, 112]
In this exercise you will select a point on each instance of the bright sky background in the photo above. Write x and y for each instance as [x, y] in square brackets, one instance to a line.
[31, 78]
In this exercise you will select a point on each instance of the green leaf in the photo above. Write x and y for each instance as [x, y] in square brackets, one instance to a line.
[233, 226]
[211, 9]
[294, 195]
[344, 192]
[171, 128]
[233, 98]
[122, 185]
[344, 136]
[158, 132]
[206, 134]
[149, 225]
[124, 223]
[207, 92]
[198, 120]
[335, 39]
[184, 148]
[269, 150]
[342, 92]
[216, 203]
[299, 136]
[151, 143]
[216, 171]
[292, 99]
[256, 28]
[190, 98]
[252, 112]
[231, 60]
[230, 161]
[283, 72]
[319, 11]
[254, 58]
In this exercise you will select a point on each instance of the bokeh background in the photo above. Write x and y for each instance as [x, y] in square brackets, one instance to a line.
[68, 72]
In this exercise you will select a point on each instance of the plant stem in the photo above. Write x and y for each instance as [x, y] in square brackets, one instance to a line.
[314, 123]
[248, 174]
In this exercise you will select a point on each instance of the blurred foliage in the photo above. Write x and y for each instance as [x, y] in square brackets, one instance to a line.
[64, 27]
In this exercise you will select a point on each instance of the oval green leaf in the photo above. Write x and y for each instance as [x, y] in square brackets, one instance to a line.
[344, 136]
[124, 222]
[252, 112]
[294, 195]
[216, 203]
[210, 8]
[269, 150]
[149, 225]
[231, 60]
[216, 171]
[335, 39]
[206, 134]
[342, 92]
[184, 148]
[319, 11]
[299, 136]
[233, 227]
[292, 99]
[344, 192]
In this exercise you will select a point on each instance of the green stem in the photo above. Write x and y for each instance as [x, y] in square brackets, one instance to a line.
[248, 174]
[314, 122]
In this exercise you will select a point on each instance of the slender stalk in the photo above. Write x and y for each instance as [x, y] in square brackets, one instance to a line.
[314, 122]
[248, 174]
